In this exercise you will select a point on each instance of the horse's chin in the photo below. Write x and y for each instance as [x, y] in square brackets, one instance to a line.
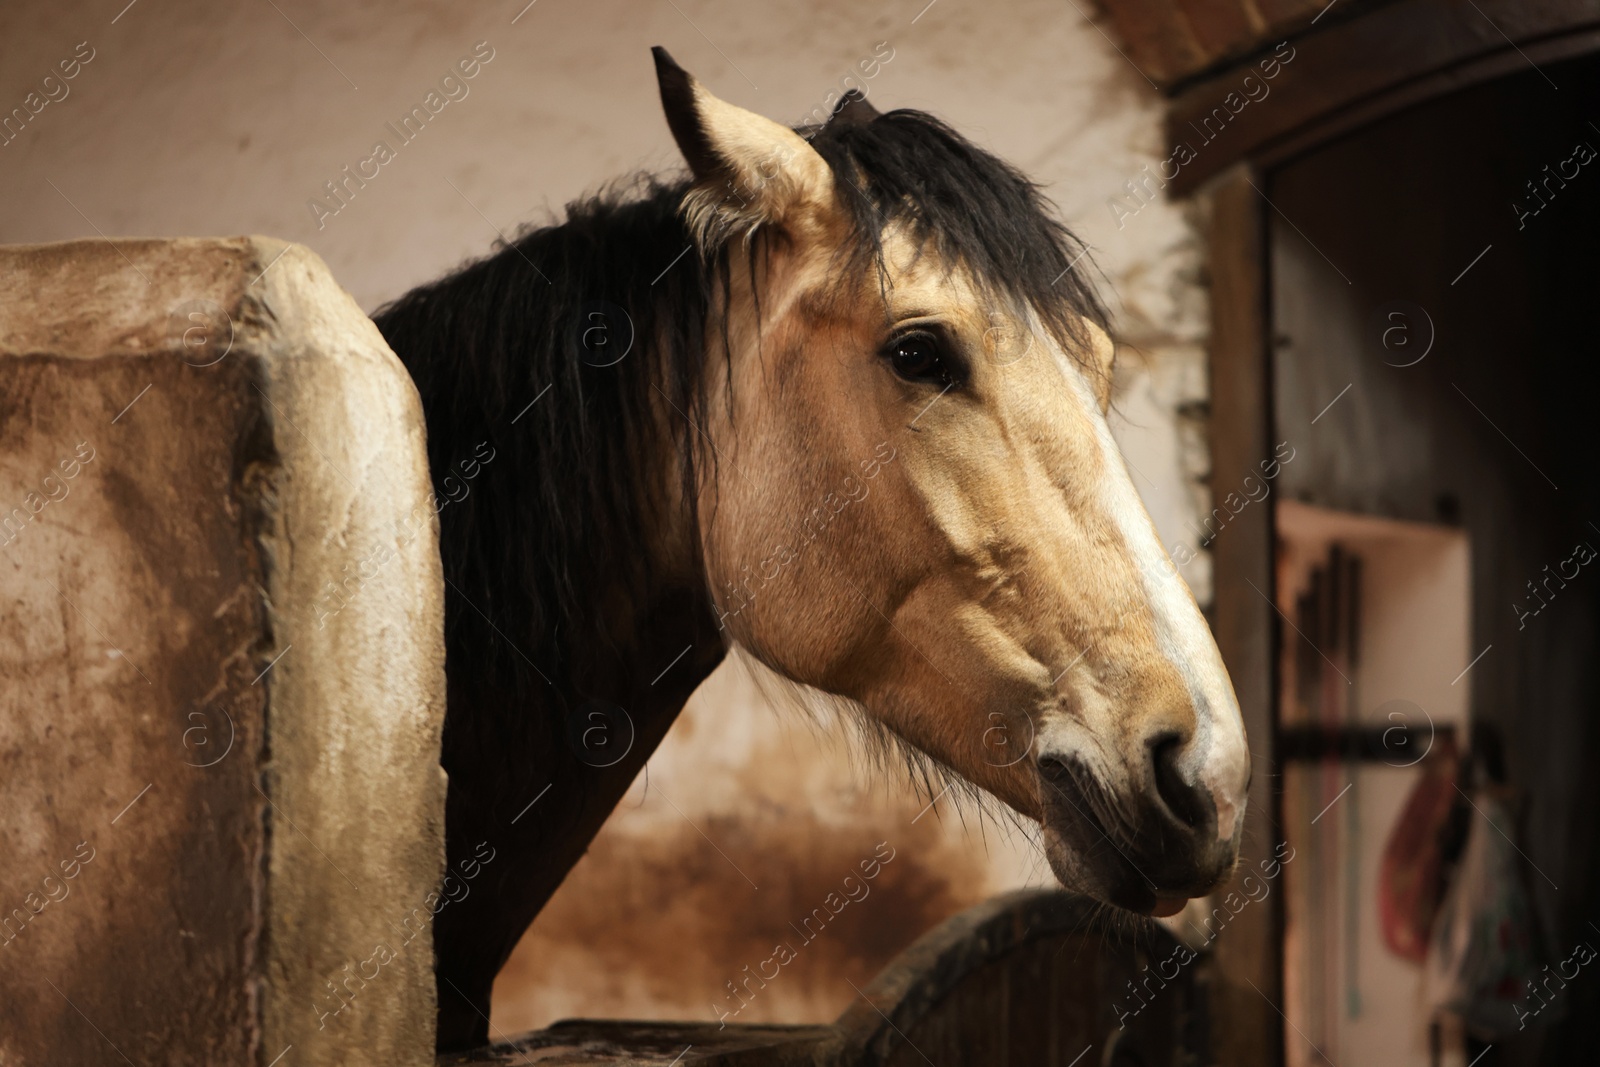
[1108, 879]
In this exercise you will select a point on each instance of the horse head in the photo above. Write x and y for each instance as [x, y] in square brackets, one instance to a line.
[910, 496]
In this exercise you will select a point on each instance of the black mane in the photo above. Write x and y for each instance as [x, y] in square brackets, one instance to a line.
[554, 519]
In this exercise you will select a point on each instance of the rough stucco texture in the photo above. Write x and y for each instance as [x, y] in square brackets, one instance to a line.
[219, 781]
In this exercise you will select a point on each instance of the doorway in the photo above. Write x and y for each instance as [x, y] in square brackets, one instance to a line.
[1433, 285]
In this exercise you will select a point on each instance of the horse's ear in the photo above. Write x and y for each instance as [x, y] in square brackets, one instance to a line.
[853, 110]
[1102, 359]
[748, 169]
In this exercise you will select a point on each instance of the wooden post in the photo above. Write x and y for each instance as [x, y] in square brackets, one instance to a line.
[1247, 1027]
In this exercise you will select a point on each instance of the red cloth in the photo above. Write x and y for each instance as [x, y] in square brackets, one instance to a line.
[1410, 879]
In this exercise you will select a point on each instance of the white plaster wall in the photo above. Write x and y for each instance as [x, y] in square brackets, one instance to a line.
[223, 118]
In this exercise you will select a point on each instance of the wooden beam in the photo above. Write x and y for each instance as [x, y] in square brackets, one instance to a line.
[1349, 72]
[1247, 1026]
[1173, 41]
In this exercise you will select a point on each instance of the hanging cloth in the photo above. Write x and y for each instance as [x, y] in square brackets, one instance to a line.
[1483, 954]
[1411, 875]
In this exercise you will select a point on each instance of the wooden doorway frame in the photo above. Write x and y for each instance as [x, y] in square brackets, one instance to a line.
[1248, 1024]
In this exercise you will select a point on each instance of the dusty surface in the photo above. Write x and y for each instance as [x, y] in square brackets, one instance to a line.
[218, 783]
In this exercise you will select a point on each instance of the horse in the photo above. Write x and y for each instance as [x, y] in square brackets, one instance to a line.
[836, 400]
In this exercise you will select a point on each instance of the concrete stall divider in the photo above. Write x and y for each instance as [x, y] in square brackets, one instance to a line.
[221, 664]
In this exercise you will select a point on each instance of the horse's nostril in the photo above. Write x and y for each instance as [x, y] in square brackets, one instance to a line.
[1187, 801]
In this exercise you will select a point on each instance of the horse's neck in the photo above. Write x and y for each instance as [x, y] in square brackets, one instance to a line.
[530, 791]
[540, 753]
[541, 765]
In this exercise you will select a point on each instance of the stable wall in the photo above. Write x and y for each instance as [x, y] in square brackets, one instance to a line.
[198, 118]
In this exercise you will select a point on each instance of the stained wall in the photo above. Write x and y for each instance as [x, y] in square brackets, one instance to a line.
[198, 118]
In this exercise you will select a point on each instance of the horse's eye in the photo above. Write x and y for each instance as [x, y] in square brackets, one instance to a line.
[916, 357]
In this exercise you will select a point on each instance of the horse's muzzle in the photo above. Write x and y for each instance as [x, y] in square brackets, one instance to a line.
[1146, 848]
